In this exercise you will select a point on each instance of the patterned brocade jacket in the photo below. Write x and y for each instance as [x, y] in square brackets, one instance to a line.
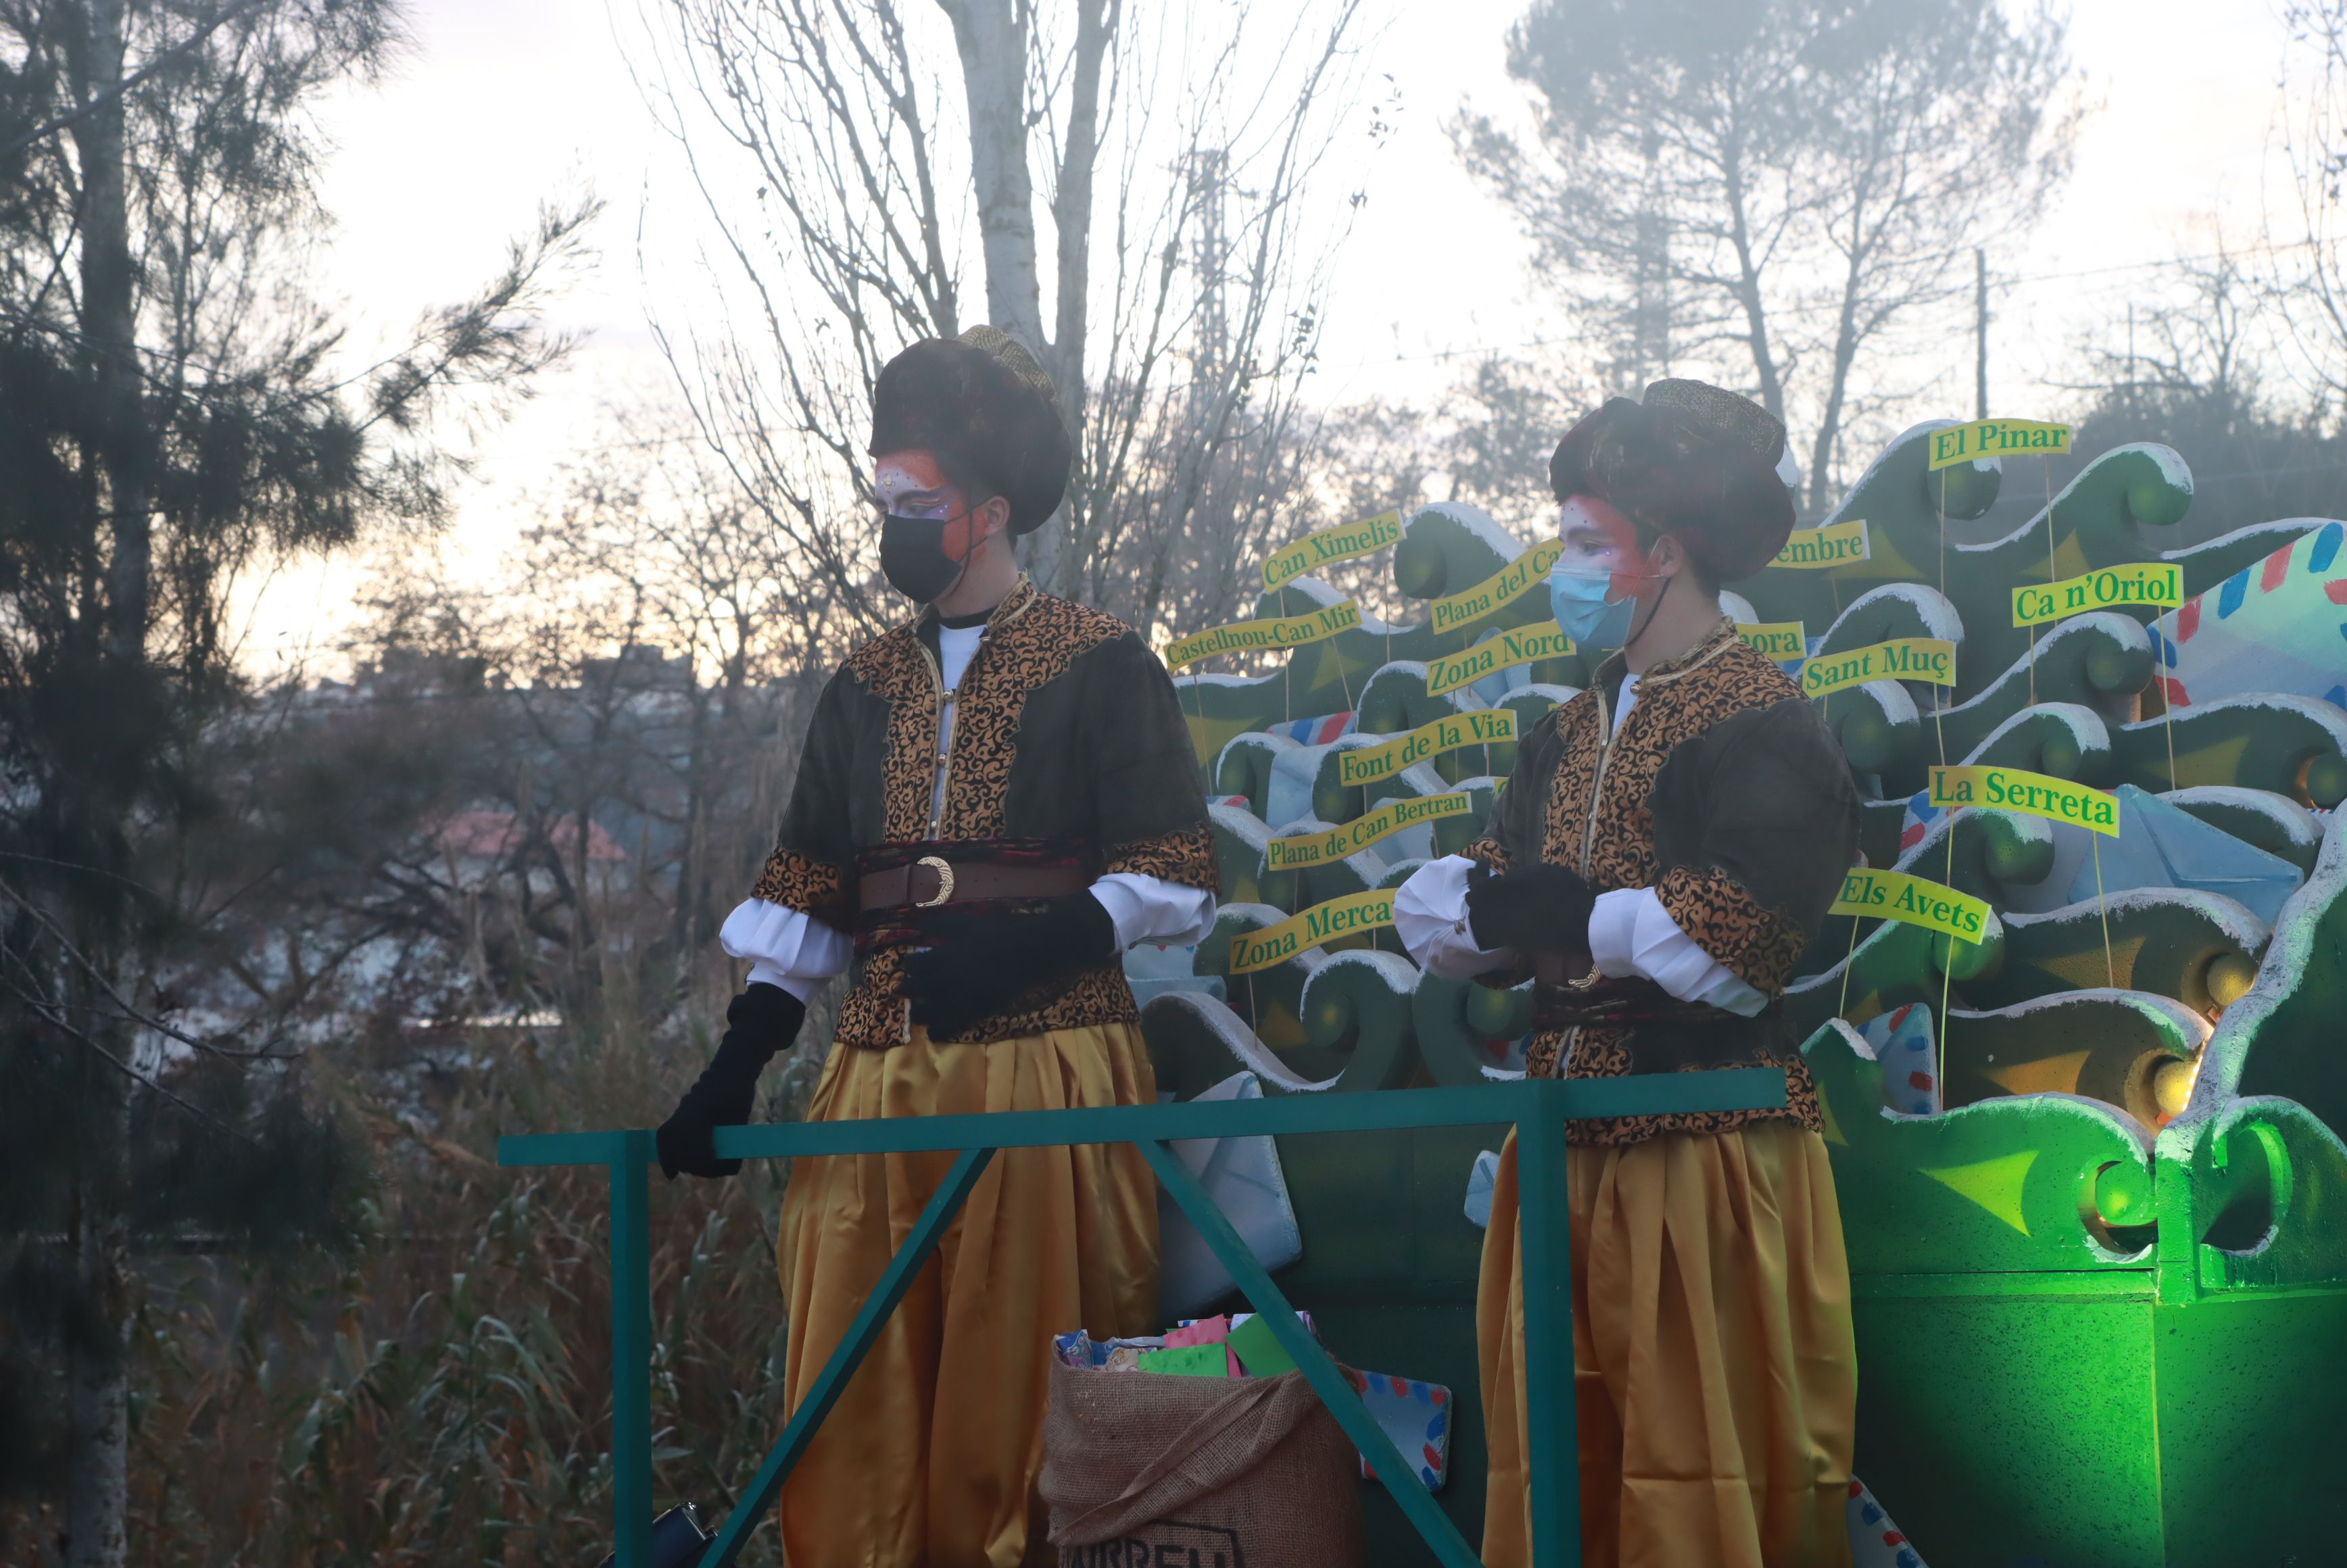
[1066, 747]
[1723, 791]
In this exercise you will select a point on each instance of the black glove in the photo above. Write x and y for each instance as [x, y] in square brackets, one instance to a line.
[1540, 909]
[975, 966]
[759, 1022]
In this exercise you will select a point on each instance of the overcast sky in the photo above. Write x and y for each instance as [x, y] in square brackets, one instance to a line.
[503, 103]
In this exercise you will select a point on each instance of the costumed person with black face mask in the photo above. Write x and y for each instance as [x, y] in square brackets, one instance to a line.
[993, 802]
[1667, 844]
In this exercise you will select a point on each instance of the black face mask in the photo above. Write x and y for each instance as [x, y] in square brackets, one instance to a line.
[913, 558]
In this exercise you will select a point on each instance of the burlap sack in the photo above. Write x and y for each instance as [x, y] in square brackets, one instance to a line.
[1207, 1472]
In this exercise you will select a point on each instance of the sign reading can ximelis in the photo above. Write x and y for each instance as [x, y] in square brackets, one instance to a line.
[1932, 658]
[1320, 848]
[1895, 896]
[1996, 438]
[1813, 550]
[1484, 726]
[1345, 916]
[1506, 586]
[1516, 645]
[2142, 583]
[1346, 542]
[1255, 636]
[2036, 794]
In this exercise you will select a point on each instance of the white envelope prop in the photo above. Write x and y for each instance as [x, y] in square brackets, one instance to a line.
[1242, 1174]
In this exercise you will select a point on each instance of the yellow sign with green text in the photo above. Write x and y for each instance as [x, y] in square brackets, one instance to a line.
[1895, 896]
[1997, 438]
[2036, 794]
[1353, 914]
[1320, 848]
[1814, 549]
[1482, 727]
[1516, 645]
[1347, 542]
[2161, 585]
[1932, 658]
[1506, 586]
[1259, 636]
[1780, 640]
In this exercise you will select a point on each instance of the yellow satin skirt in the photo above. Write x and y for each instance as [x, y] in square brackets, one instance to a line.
[929, 1459]
[1715, 1376]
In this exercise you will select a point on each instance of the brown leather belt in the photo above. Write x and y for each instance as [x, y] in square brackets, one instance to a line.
[933, 880]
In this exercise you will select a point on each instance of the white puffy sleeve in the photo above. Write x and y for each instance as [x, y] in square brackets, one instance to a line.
[1151, 909]
[1430, 918]
[1631, 934]
[785, 947]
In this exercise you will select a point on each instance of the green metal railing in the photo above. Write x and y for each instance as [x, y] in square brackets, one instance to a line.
[1538, 1109]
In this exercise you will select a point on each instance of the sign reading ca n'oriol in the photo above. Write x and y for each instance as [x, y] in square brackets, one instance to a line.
[1932, 658]
[1346, 542]
[1320, 848]
[1814, 549]
[1353, 914]
[2035, 794]
[2160, 585]
[1516, 645]
[1504, 586]
[1895, 896]
[1258, 635]
[1997, 438]
[1482, 727]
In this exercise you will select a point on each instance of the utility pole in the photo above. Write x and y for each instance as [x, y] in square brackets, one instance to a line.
[1980, 332]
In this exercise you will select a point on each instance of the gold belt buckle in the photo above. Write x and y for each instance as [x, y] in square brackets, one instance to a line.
[945, 882]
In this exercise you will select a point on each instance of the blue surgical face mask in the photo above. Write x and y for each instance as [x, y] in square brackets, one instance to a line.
[1579, 603]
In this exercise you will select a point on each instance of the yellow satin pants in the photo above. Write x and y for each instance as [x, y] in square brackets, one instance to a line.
[1715, 1376]
[929, 1459]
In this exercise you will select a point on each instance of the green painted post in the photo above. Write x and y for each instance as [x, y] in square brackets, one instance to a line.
[632, 1350]
[1544, 1230]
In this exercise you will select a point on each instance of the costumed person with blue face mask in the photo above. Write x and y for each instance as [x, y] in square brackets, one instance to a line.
[994, 800]
[1667, 844]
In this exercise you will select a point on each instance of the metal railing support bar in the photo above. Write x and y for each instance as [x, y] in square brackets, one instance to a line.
[1544, 1236]
[632, 1348]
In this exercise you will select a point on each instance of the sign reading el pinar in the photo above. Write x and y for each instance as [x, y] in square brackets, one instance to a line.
[1814, 549]
[1347, 542]
[1912, 900]
[1354, 913]
[1483, 726]
[1504, 586]
[1320, 848]
[2035, 794]
[1997, 438]
[1516, 645]
[1255, 636]
[2161, 585]
[1932, 658]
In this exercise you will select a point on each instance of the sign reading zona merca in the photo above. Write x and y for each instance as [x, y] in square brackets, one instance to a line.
[1347, 541]
[1516, 645]
[1895, 896]
[2160, 585]
[1932, 658]
[1256, 636]
[2035, 795]
[1320, 848]
[1480, 726]
[1349, 915]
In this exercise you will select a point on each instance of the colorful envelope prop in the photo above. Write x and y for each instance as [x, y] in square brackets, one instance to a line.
[1875, 1540]
[2164, 845]
[1415, 1416]
[1243, 1176]
[2278, 626]
[1901, 1039]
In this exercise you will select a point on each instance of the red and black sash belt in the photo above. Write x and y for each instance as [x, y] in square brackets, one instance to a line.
[900, 885]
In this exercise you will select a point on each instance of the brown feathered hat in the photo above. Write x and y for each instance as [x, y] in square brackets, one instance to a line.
[1692, 460]
[986, 407]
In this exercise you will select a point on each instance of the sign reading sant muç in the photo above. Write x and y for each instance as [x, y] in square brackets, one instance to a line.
[1932, 658]
[1353, 914]
[1504, 586]
[1347, 541]
[2035, 794]
[1997, 438]
[1895, 896]
[1516, 645]
[1320, 848]
[2157, 584]
[1814, 549]
[1257, 636]
[1480, 727]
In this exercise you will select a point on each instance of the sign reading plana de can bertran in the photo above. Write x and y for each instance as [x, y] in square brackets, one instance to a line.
[1319, 848]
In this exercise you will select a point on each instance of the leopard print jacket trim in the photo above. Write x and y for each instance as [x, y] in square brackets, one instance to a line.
[799, 883]
[1187, 858]
[1678, 700]
[1031, 638]
[1757, 945]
